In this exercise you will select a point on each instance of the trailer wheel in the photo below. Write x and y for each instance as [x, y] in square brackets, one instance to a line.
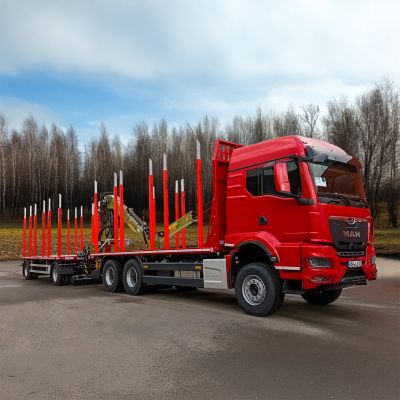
[112, 276]
[26, 271]
[132, 277]
[321, 298]
[56, 277]
[258, 289]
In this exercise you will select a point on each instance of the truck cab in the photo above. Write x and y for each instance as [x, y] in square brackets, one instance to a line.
[298, 205]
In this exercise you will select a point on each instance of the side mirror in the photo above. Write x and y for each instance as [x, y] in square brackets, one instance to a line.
[282, 184]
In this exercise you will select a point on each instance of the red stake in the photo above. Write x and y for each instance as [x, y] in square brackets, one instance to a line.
[95, 217]
[154, 214]
[177, 212]
[183, 212]
[165, 196]
[24, 235]
[35, 230]
[81, 229]
[44, 228]
[115, 211]
[49, 229]
[121, 213]
[200, 229]
[151, 199]
[92, 226]
[30, 232]
[59, 226]
[68, 234]
[76, 231]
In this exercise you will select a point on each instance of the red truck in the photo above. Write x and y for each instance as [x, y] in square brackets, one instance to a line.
[287, 216]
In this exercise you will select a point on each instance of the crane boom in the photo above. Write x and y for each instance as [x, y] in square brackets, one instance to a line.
[135, 223]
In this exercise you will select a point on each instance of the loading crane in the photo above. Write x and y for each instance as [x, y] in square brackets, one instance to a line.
[138, 227]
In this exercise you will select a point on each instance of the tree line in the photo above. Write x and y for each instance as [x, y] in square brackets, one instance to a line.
[38, 162]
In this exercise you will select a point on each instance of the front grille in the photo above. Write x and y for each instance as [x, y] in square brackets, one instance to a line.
[350, 254]
[349, 234]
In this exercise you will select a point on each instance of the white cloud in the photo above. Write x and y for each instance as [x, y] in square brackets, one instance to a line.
[229, 39]
[217, 57]
[16, 110]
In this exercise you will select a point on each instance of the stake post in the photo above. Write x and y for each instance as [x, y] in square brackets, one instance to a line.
[165, 197]
[121, 212]
[199, 179]
[183, 212]
[115, 211]
[44, 228]
[59, 226]
[35, 230]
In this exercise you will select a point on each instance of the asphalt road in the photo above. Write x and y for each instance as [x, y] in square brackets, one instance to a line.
[78, 342]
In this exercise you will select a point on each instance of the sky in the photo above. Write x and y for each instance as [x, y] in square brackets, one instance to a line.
[87, 63]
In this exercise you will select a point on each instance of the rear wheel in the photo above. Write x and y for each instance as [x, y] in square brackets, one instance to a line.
[321, 298]
[112, 276]
[56, 277]
[26, 271]
[258, 289]
[132, 277]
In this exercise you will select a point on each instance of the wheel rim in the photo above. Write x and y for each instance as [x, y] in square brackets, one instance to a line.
[131, 277]
[26, 271]
[253, 290]
[109, 276]
[55, 274]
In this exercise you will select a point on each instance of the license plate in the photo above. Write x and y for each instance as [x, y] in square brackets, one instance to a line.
[354, 264]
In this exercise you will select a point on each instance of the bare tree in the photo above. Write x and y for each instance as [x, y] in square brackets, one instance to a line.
[310, 118]
[39, 162]
[287, 124]
[341, 126]
[3, 143]
[378, 130]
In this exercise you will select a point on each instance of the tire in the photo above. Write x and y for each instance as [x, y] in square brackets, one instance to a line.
[258, 289]
[321, 298]
[56, 278]
[112, 276]
[26, 271]
[132, 278]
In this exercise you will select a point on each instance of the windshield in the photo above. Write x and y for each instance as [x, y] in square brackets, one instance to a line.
[338, 183]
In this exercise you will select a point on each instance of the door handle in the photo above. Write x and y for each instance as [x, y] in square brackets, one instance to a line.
[262, 220]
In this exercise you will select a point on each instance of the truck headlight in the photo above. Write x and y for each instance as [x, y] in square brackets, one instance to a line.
[373, 260]
[317, 262]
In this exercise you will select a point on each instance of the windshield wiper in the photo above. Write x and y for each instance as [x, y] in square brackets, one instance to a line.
[360, 200]
[336, 196]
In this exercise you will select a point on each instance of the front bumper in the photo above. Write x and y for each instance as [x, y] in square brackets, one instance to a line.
[339, 275]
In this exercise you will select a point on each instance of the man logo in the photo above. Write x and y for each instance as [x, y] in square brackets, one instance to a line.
[351, 221]
[351, 234]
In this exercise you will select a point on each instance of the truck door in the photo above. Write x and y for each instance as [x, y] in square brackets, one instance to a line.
[278, 214]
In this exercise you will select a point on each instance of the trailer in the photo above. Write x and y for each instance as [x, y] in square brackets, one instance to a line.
[287, 216]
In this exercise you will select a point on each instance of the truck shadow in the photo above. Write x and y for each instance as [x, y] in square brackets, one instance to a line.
[16, 290]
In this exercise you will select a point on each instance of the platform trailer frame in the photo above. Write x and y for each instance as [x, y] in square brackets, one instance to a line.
[205, 266]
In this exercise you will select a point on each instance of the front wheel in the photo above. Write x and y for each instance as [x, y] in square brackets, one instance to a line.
[320, 297]
[258, 289]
